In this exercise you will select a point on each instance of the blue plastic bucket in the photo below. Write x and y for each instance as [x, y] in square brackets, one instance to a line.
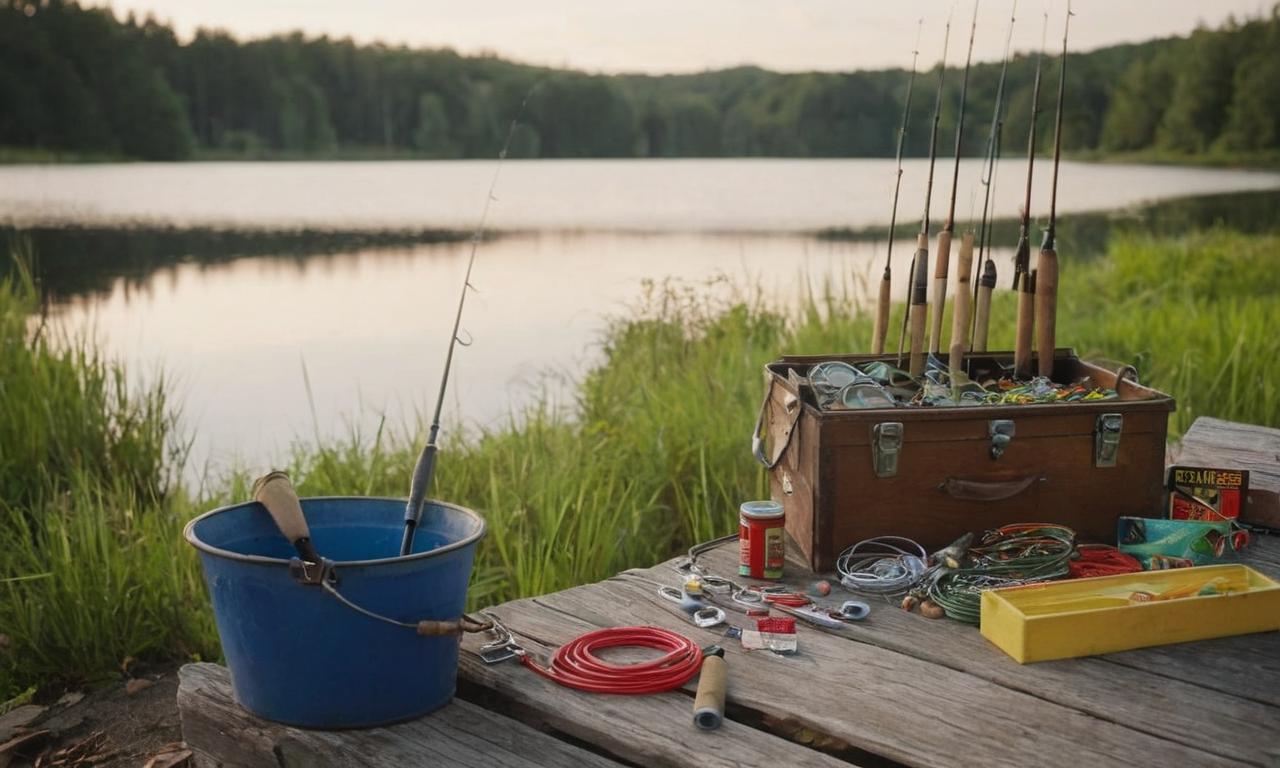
[297, 655]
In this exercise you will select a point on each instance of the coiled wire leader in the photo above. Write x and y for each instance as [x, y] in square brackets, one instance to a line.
[883, 565]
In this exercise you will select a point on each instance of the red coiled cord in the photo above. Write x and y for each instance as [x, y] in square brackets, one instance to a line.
[1102, 560]
[576, 665]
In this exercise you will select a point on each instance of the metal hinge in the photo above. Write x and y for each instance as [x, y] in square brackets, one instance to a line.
[1001, 432]
[886, 444]
[1106, 439]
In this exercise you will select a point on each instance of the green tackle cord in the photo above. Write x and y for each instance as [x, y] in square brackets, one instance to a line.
[1005, 556]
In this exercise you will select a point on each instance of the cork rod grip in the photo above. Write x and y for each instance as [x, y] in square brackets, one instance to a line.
[940, 269]
[960, 314]
[1046, 309]
[981, 318]
[274, 491]
[917, 338]
[882, 317]
[708, 704]
[1022, 339]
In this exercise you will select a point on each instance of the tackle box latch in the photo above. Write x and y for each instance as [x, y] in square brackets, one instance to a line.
[1001, 432]
[886, 444]
[1106, 439]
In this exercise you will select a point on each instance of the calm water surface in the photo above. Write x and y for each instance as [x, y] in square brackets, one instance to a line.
[271, 349]
[679, 195]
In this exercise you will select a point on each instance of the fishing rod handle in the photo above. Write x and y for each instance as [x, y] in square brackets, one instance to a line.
[982, 318]
[920, 274]
[1046, 309]
[1023, 333]
[882, 316]
[275, 492]
[917, 339]
[713, 682]
[940, 269]
[960, 313]
[418, 487]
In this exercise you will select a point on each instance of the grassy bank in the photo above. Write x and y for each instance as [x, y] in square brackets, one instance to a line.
[91, 571]
[1214, 158]
[651, 456]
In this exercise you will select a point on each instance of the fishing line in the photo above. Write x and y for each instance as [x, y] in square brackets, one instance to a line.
[1102, 560]
[883, 565]
[1005, 556]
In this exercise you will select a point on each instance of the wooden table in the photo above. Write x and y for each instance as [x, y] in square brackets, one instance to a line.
[896, 689]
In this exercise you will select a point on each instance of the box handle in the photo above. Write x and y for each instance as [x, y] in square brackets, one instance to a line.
[988, 490]
[793, 408]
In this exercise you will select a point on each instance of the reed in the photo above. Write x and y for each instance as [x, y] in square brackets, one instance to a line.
[91, 570]
[650, 454]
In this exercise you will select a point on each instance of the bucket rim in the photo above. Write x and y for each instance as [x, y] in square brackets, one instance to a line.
[188, 533]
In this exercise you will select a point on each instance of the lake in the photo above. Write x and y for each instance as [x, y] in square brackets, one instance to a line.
[270, 344]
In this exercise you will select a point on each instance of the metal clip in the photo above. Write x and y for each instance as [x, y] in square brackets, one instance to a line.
[886, 444]
[708, 617]
[312, 574]
[1106, 439]
[503, 646]
[1001, 432]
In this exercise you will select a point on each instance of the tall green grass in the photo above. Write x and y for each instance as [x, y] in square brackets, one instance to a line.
[650, 456]
[91, 570]
[1198, 316]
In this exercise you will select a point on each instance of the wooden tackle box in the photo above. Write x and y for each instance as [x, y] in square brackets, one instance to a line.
[934, 473]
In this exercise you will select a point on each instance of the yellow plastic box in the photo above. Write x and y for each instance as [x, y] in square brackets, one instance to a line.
[1083, 617]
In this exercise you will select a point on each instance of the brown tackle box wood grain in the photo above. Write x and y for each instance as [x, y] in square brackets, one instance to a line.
[934, 473]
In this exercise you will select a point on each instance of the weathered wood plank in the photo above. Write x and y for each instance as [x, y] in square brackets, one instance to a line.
[221, 733]
[654, 731]
[881, 701]
[1234, 681]
[1247, 666]
[1217, 443]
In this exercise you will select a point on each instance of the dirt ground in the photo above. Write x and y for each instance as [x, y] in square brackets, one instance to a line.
[124, 728]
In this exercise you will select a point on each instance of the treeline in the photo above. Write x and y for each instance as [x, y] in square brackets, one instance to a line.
[79, 80]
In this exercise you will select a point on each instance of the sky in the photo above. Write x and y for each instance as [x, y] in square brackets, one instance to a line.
[661, 36]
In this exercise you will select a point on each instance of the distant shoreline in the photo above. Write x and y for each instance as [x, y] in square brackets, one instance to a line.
[1250, 161]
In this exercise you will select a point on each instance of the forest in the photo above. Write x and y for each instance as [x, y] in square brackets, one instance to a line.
[81, 82]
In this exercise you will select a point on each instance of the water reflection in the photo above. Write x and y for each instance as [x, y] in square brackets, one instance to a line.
[370, 326]
[245, 320]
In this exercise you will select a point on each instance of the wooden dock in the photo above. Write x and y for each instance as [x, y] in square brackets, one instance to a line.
[898, 689]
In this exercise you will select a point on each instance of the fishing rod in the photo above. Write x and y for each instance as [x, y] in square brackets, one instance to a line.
[986, 283]
[882, 303]
[919, 284]
[426, 465]
[960, 314]
[1022, 260]
[1047, 265]
[943, 263]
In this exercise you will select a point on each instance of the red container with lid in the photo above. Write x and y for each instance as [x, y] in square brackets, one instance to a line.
[762, 549]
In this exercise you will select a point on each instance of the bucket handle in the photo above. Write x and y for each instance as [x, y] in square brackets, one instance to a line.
[276, 493]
